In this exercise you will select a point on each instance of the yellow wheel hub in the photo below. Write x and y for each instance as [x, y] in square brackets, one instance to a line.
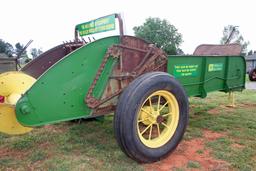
[144, 117]
[158, 119]
[12, 86]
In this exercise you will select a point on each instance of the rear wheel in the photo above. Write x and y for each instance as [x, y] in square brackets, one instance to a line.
[252, 75]
[151, 117]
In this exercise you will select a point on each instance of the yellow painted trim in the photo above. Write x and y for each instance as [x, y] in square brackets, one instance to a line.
[8, 122]
[12, 86]
[148, 117]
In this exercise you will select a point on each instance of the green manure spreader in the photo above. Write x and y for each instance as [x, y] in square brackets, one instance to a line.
[146, 89]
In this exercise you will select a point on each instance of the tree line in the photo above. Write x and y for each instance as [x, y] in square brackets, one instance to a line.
[155, 30]
[10, 51]
[166, 36]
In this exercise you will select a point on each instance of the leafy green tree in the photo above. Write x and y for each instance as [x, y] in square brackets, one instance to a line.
[36, 52]
[236, 37]
[18, 49]
[21, 54]
[27, 60]
[160, 32]
[250, 52]
[6, 48]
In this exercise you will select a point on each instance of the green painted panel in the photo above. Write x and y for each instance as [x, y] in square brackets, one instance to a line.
[102, 24]
[215, 67]
[58, 95]
[202, 74]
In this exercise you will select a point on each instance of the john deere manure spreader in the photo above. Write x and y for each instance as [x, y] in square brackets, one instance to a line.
[146, 89]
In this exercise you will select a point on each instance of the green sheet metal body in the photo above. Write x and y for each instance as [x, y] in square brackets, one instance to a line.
[202, 74]
[58, 95]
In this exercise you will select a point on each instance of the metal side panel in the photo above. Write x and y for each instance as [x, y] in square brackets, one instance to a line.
[202, 74]
[43, 62]
[7, 64]
[59, 93]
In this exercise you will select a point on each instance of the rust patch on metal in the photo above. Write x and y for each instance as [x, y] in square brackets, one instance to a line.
[136, 57]
[132, 56]
[223, 50]
[38, 66]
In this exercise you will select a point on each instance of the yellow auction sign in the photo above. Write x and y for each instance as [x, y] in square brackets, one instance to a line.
[102, 24]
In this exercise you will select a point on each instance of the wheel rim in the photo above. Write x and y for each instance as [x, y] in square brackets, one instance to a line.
[158, 119]
[12, 85]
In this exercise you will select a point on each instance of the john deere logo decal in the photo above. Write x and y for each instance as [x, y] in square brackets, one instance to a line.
[215, 67]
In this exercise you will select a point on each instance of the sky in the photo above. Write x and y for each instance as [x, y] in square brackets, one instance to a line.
[51, 22]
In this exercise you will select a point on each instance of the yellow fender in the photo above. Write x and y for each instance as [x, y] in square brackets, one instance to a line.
[12, 86]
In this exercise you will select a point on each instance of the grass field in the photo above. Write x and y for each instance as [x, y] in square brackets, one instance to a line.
[91, 145]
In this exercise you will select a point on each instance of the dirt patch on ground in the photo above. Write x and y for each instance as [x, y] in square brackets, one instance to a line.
[236, 145]
[20, 154]
[55, 129]
[214, 111]
[7, 152]
[246, 105]
[218, 110]
[227, 108]
[192, 151]
[254, 158]
[211, 136]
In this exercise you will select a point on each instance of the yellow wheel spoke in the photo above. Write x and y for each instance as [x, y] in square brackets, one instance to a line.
[147, 112]
[145, 129]
[158, 129]
[158, 103]
[142, 120]
[165, 125]
[168, 114]
[150, 104]
[150, 132]
[163, 106]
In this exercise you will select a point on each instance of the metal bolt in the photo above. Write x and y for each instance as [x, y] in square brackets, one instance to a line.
[25, 109]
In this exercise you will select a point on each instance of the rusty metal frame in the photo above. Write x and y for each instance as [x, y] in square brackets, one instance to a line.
[39, 65]
[153, 59]
[147, 58]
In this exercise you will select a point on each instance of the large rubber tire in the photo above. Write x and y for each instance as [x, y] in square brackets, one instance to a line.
[128, 107]
[252, 75]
